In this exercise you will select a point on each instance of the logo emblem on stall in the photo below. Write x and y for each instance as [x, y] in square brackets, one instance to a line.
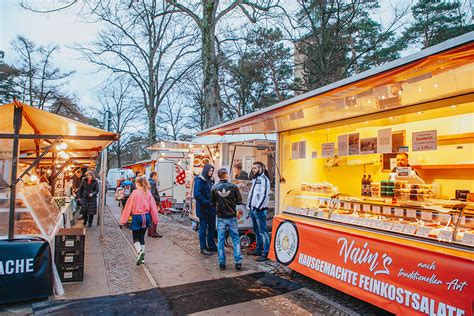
[286, 242]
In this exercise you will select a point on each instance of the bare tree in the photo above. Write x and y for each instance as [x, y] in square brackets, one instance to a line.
[173, 119]
[144, 41]
[117, 98]
[207, 14]
[40, 80]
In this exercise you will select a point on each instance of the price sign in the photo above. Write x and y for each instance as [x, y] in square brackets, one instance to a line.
[387, 225]
[409, 229]
[356, 207]
[366, 208]
[311, 213]
[304, 212]
[468, 239]
[426, 140]
[335, 217]
[445, 235]
[422, 231]
[398, 227]
[387, 210]
[320, 214]
[399, 212]
[427, 216]
[376, 209]
[377, 223]
[411, 213]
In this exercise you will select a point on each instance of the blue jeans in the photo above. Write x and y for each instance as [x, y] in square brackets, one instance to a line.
[222, 224]
[207, 228]
[259, 221]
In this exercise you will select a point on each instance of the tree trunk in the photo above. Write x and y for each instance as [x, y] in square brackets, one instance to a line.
[211, 93]
[151, 125]
[119, 154]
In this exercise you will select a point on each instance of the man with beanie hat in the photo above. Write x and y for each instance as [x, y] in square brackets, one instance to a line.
[204, 210]
[225, 196]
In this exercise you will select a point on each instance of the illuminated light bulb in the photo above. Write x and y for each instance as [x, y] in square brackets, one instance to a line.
[435, 85]
[419, 89]
[346, 107]
[328, 129]
[366, 122]
[391, 117]
[400, 92]
[383, 97]
[33, 178]
[419, 112]
[453, 106]
[161, 159]
[369, 101]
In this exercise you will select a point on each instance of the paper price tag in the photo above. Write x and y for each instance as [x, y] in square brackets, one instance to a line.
[399, 212]
[304, 212]
[445, 235]
[422, 231]
[387, 210]
[356, 207]
[67, 275]
[366, 208]
[69, 243]
[426, 215]
[411, 213]
[398, 227]
[387, 225]
[376, 209]
[311, 213]
[69, 259]
[409, 229]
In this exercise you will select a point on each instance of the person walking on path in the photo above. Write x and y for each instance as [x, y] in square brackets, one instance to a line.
[142, 207]
[88, 194]
[156, 195]
[76, 184]
[258, 205]
[225, 196]
[205, 211]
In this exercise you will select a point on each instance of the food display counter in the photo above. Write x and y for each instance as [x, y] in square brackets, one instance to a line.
[37, 212]
[375, 196]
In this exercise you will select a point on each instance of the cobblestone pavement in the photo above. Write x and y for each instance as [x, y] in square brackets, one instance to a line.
[175, 260]
[123, 275]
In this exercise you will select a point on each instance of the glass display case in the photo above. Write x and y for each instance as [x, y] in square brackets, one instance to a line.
[36, 213]
[440, 221]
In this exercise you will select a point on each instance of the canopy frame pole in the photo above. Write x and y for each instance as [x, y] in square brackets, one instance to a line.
[17, 120]
[37, 160]
[103, 172]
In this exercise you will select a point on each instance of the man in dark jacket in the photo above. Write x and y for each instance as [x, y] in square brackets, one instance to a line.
[205, 211]
[226, 196]
[156, 195]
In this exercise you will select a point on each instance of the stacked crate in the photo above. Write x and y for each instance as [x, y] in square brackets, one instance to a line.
[69, 254]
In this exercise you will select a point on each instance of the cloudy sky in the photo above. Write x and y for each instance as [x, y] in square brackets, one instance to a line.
[67, 28]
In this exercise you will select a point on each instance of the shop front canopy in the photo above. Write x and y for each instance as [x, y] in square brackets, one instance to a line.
[41, 129]
[444, 72]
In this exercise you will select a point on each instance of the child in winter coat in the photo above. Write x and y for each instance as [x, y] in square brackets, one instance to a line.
[142, 207]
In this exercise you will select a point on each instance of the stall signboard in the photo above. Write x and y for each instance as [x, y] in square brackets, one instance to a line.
[25, 269]
[327, 150]
[400, 278]
[427, 140]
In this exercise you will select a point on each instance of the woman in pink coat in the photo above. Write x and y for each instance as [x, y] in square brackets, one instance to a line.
[142, 207]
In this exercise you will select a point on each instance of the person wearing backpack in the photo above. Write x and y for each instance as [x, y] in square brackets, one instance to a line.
[225, 196]
[142, 207]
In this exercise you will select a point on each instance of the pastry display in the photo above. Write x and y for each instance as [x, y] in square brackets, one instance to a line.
[434, 220]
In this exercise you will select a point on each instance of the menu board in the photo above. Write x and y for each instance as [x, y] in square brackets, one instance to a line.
[327, 150]
[343, 145]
